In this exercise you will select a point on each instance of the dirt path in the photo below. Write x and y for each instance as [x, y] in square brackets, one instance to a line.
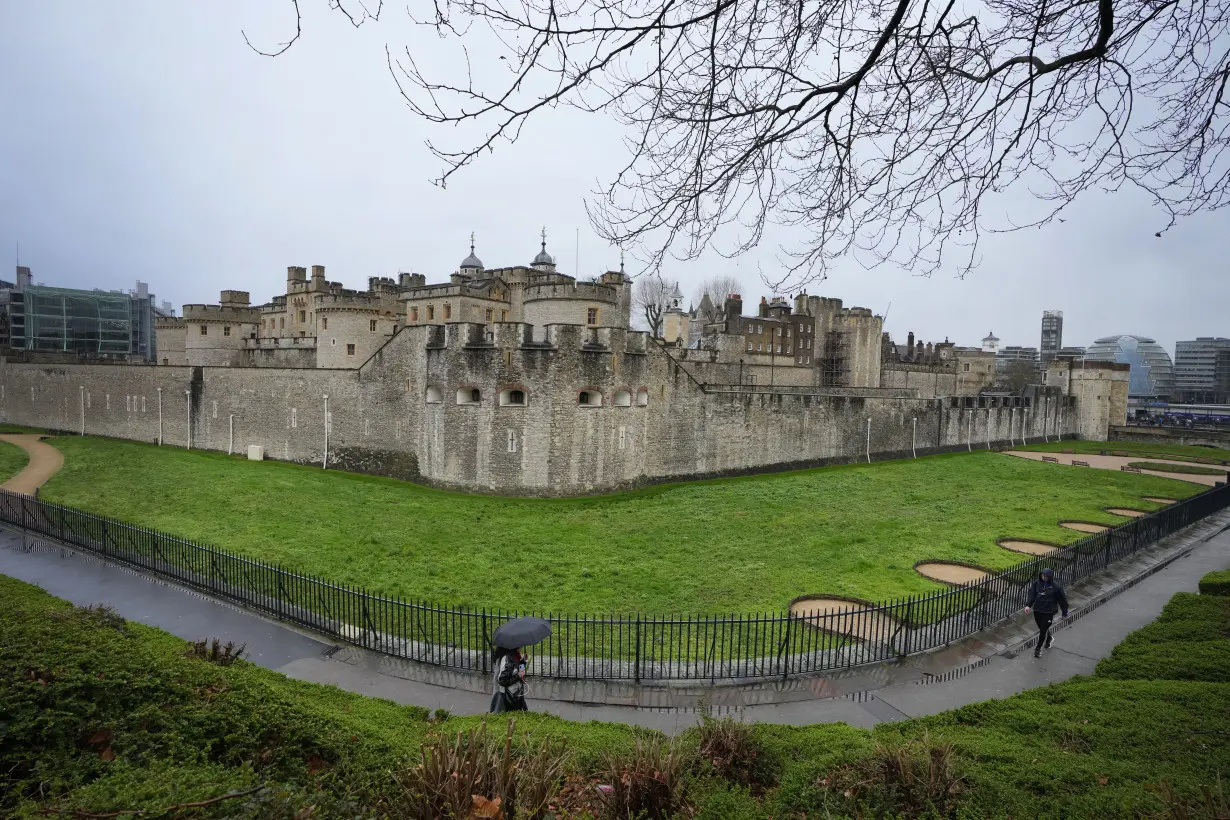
[45, 461]
[1115, 462]
[836, 615]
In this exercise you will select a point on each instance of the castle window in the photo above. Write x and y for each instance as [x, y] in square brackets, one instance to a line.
[282, 322]
[434, 396]
[512, 441]
[226, 330]
[622, 398]
[749, 347]
[414, 313]
[760, 348]
[448, 311]
[591, 316]
[350, 350]
[490, 314]
[372, 325]
[204, 330]
[303, 316]
[642, 397]
[503, 315]
[623, 435]
[589, 398]
[324, 322]
[469, 395]
[965, 367]
[431, 312]
[512, 397]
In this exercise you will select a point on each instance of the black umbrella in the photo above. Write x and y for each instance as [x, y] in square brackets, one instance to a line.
[520, 632]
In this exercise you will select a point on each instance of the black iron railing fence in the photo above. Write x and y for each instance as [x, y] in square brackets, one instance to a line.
[620, 647]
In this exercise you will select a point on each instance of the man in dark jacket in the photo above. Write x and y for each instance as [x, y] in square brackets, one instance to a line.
[1046, 597]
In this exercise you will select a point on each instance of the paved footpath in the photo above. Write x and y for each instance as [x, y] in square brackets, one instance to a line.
[45, 461]
[1079, 645]
[1119, 462]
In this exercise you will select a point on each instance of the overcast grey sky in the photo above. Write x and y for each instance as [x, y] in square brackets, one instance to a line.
[143, 139]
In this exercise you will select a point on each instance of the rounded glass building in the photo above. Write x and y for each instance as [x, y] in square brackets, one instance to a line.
[1152, 370]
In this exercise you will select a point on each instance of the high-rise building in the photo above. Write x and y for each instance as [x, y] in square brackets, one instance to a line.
[88, 323]
[1202, 371]
[1052, 336]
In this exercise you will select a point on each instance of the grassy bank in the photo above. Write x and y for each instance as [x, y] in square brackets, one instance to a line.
[12, 460]
[1133, 448]
[741, 544]
[105, 716]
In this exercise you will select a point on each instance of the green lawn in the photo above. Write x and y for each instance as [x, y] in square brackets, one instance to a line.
[743, 544]
[1184, 469]
[108, 718]
[12, 460]
[1133, 448]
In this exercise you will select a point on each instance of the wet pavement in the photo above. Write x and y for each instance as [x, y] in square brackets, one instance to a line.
[994, 666]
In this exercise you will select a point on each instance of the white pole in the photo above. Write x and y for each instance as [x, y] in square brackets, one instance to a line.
[988, 428]
[969, 432]
[230, 445]
[1046, 415]
[83, 410]
[1011, 436]
[869, 439]
[188, 396]
[324, 464]
[914, 439]
[159, 416]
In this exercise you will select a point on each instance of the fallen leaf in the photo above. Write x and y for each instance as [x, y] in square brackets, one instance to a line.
[315, 764]
[106, 755]
[483, 809]
[1103, 779]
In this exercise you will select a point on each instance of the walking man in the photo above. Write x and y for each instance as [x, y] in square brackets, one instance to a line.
[1045, 599]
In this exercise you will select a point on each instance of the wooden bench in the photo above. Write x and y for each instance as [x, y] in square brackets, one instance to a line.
[1076, 463]
[1129, 469]
[1050, 459]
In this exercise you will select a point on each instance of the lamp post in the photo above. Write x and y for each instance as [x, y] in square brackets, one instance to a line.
[83, 410]
[324, 462]
[869, 439]
[914, 439]
[188, 397]
[159, 416]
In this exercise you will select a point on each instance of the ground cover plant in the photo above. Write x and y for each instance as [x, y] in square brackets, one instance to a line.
[12, 460]
[855, 530]
[102, 716]
[1187, 469]
[1133, 448]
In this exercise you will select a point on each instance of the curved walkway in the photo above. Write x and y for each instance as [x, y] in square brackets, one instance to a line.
[45, 461]
[1116, 462]
[992, 665]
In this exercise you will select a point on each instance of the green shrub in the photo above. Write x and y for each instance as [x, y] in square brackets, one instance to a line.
[735, 752]
[650, 782]
[1216, 583]
[1177, 660]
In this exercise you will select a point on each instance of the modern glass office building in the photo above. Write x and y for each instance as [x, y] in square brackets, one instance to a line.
[1152, 373]
[89, 323]
[1202, 370]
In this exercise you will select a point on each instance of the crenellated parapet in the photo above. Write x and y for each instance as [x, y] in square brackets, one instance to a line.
[522, 335]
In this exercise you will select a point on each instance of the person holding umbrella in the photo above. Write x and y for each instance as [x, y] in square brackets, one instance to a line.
[510, 663]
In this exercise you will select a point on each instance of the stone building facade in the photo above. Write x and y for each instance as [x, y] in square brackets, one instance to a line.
[318, 323]
[512, 408]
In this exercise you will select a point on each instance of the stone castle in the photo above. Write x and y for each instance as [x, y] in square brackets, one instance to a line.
[525, 381]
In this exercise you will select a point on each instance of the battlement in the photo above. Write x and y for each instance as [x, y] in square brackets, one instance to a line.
[589, 291]
[346, 301]
[857, 312]
[521, 335]
[272, 342]
[219, 313]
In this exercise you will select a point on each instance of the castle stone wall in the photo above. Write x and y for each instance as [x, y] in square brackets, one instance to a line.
[408, 411]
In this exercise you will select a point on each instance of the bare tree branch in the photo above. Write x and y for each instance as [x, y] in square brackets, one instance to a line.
[889, 131]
